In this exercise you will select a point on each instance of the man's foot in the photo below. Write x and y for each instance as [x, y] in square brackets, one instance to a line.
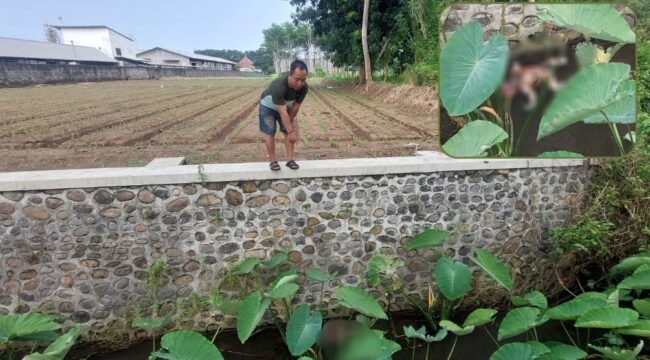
[275, 166]
[292, 165]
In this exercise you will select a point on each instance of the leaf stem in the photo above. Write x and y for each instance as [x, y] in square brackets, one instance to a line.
[567, 334]
[452, 348]
[426, 314]
[491, 337]
[615, 133]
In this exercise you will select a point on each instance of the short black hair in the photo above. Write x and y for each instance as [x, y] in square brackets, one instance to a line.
[298, 64]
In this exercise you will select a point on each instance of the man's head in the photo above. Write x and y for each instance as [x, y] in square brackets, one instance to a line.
[297, 75]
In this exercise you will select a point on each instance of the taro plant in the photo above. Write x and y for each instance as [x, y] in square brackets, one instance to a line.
[153, 324]
[36, 328]
[186, 345]
[471, 72]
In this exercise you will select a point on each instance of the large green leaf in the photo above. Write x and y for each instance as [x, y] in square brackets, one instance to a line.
[151, 323]
[642, 306]
[621, 112]
[599, 21]
[636, 281]
[247, 265]
[534, 298]
[560, 351]
[277, 260]
[469, 70]
[519, 320]
[479, 317]
[573, 309]
[619, 354]
[607, 318]
[59, 348]
[590, 90]
[457, 330]
[250, 313]
[358, 299]
[379, 265]
[187, 345]
[474, 139]
[516, 350]
[283, 285]
[303, 329]
[224, 304]
[628, 265]
[559, 154]
[368, 345]
[589, 54]
[30, 326]
[640, 328]
[493, 267]
[428, 238]
[453, 278]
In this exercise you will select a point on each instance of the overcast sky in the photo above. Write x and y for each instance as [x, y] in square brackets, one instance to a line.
[175, 24]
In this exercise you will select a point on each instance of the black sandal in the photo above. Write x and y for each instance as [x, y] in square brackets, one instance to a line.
[292, 165]
[275, 166]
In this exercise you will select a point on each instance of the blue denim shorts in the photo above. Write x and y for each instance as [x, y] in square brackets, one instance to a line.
[269, 118]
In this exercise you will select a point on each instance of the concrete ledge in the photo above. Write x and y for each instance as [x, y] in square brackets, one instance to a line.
[163, 162]
[425, 162]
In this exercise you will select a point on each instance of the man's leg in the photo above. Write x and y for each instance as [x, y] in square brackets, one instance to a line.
[269, 140]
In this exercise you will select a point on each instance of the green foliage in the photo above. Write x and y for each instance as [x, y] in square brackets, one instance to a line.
[517, 350]
[586, 237]
[453, 278]
[421, 334]
[519, 320]
[562, 351]
[493, 267]
[30, 326]
[157, 271]
[534, 298]
[428, 238]
[368, 345]
[464, 87]
[607, 318]
[151, 323]
[358, 299]
[559, 154]
[59, 348]
[616, 353]
[250, 313]
[303, 329]
[187, 345]
[475, 139]
[589, 19]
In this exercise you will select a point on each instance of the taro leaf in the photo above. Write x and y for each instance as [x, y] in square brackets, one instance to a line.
[640, 328]
[515, 350]
[493, 267]
[223, 304]
[560, 351]
[559, 154]
[621, 112]
[318, 275]
[519, 320]
[599, 21]
[152, 323]
[573, 309]
[277, 260]
[368, 344]
[636, 281]
[479, 317]
[59, 348]
[358, 299]
[453, 278]
[534, 298]
[187, 345]
[644, 267]
[642, 306]
[469, 70]
[590, 90]
[30, 326]
[247, 266]
[538, 348]
[629, 265]
[631, 137]
[607, 318]
[428, 238]
[421, 334]
[474, 139]
[283, 286]
[619, 354]
[249, 314]
[381, 264]
[459, 331]
[303, 329]
[588, 53]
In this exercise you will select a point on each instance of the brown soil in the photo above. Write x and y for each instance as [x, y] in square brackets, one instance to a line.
[129, 123]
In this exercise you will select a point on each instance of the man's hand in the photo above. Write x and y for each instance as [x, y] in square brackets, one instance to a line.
[292, 137]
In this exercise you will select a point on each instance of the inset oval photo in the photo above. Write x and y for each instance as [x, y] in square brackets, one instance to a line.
[526, 80]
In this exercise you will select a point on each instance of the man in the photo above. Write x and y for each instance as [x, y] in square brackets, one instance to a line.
[280, 103]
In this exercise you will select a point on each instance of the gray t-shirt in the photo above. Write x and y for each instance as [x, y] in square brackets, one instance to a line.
[279, 93]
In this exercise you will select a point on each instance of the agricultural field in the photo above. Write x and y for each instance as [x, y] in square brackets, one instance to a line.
[128, 123]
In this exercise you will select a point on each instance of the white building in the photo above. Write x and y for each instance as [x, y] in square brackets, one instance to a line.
[36, 52]
[166, 57]
[103, 38]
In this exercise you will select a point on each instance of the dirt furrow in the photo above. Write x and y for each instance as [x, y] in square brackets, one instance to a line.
[358, 132]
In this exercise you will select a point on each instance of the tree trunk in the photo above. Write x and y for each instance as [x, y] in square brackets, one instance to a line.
[364, 44]
[362, 75]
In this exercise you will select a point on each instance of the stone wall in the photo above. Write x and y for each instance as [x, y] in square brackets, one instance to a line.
[85, 252]
[15, 74]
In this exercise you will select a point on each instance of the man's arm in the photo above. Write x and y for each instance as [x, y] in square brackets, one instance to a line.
[286, 118]
[294, 111]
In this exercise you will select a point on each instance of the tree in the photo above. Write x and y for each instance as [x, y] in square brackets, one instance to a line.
[364, 44]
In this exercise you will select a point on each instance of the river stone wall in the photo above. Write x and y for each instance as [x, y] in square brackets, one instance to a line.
[86, 253]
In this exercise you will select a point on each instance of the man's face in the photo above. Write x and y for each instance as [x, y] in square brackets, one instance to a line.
[298, 79]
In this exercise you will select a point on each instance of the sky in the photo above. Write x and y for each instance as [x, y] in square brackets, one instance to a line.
[174, 24]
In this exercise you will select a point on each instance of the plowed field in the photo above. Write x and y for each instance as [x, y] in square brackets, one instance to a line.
[129, 123]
